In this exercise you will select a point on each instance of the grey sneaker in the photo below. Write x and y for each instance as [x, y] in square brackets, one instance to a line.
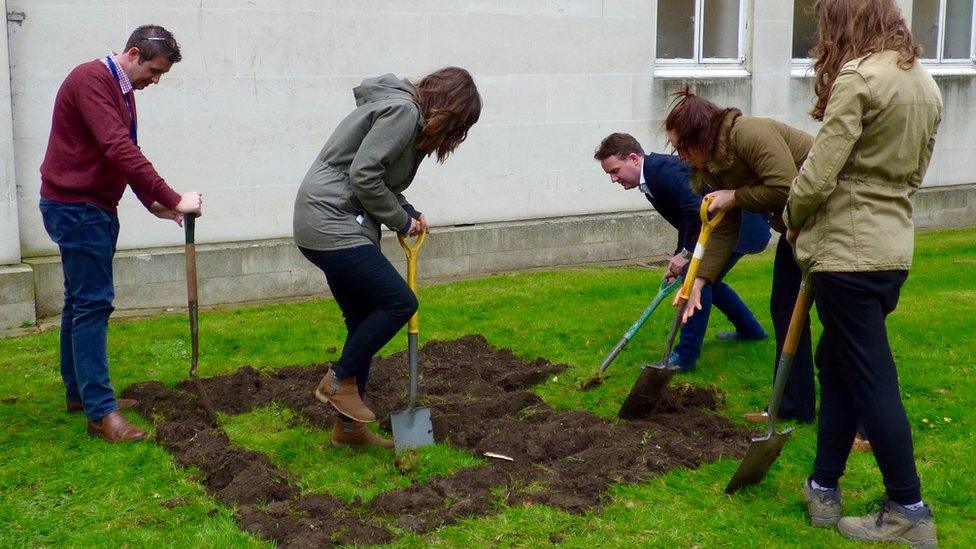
[823, 506]
[888, 521]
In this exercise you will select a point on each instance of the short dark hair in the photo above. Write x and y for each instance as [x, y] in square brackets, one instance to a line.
[153, 41]
[619, 145]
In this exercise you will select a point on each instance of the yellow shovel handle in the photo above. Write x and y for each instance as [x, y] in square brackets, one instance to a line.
[707, 225]
[413, 327]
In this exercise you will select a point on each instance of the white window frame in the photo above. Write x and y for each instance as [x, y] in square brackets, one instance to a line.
[940, 45]
[800, 67]
[714, 66]
[803, 67]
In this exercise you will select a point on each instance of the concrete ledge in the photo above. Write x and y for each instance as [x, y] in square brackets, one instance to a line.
[274, 269]
[16, 296]
[945, 206]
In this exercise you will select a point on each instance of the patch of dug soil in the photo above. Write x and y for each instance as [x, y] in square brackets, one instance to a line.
[480, 400]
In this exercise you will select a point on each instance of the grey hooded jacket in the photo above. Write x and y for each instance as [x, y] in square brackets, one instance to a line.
[356, 181]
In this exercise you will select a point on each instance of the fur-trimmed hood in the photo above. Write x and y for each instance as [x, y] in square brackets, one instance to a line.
[723, 157]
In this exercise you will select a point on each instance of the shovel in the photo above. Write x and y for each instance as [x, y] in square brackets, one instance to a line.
[650, 385]
[189, 222]
[412, 427]
[764, 450]
[662, 293]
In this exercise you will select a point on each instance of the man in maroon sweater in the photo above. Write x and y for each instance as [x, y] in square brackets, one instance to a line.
[92, 155]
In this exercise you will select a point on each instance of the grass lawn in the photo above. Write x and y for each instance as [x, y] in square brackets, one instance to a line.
[59, 487]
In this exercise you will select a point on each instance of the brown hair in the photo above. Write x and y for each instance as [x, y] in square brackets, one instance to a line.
[691, 120]
[848, 29]
[620, 145]
[153, 41]
[451, 104]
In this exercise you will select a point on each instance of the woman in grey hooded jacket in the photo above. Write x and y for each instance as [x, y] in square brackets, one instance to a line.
[354, 185]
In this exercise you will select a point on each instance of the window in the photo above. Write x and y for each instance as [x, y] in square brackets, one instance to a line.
[804, 29]
[700, 31]
[945, 29]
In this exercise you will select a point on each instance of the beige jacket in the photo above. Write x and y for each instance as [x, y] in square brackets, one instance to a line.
[852, 198]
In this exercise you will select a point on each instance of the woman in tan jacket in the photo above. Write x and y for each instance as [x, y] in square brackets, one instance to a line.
[747, 163]
[849, 213]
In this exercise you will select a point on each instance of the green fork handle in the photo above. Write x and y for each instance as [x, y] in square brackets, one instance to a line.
[665, 290]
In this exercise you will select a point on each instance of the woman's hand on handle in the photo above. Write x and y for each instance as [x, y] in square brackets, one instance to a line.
[694, 300]
[418, 226]
[423, 224]
[721, 200]
[791, 235]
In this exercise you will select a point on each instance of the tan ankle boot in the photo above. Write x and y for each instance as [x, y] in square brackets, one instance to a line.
[359, 436]
[344, 398]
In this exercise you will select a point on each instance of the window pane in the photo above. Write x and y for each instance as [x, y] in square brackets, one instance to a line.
[925, 26]
[676, 29]
[959, 29]
[720, 29]
[804, 28]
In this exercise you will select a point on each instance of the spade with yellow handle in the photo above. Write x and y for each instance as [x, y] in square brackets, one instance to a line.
[412, 427]
[652, 380]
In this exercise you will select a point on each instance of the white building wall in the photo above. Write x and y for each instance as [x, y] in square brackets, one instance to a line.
[9, 225]
[263, 82]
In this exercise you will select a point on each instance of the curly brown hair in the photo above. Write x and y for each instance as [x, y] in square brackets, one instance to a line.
[451, 104]
[848, 29]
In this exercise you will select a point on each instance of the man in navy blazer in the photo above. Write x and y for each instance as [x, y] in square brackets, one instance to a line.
[664, 180]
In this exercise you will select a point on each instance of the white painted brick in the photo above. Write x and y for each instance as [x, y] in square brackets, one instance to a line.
[371, 43]
[585, 98]
[279, 43]
[53, 39]
[512, 99]
[207, 38]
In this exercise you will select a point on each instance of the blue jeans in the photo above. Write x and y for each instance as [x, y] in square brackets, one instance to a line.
[375, 302]
[86, 236]
[726, 300]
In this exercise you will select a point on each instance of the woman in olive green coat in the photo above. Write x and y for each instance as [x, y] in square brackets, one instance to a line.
[747, 163]
[850, 214]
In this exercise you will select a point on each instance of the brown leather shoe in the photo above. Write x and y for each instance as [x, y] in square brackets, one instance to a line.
[122, 403]
[115, 428]
[756, 417]
[344, 398]
[358, 436]
[861, 444]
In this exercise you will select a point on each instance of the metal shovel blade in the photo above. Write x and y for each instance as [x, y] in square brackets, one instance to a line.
[412, 429]
[759, 458]
[646, 392]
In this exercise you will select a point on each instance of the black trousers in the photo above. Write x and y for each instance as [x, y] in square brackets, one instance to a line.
[799, 397]
[375, 302]
[859, 382]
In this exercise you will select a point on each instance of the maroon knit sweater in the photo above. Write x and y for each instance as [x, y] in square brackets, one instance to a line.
[90, 156]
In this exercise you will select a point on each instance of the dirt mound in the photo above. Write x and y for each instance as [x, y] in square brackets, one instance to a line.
[480, 401]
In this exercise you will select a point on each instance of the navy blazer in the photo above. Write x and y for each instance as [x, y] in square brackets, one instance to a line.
[667, 178]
